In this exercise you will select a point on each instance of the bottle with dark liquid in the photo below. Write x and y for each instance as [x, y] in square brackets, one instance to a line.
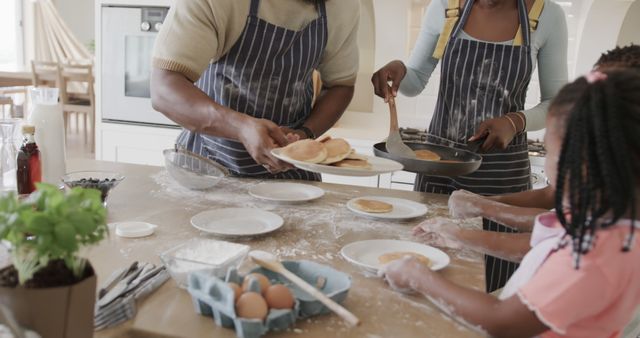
[29, 169]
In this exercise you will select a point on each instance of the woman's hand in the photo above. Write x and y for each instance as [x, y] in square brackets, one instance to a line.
[405, 274]
[259, 137]
[393, 72]
[499, 132]
[465, 204]
[438, 232]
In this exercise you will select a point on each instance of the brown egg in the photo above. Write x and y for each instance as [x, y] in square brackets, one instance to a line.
[252, 306]
[264, 282]
[237, 290]
[279, 296]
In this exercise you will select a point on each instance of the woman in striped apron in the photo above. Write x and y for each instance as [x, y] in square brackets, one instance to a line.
[482, 93]
[265, 76]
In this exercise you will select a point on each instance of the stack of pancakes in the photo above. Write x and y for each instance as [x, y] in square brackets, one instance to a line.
[326, 150]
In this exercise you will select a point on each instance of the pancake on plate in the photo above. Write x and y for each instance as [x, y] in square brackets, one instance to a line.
[309, 151]
[357, 164]
[337, 150]
[355, 156]
[393, 256]
[373, 206]
[427, 155]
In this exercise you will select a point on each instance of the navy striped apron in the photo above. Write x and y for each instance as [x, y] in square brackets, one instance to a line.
[481, 81]
[267, 74]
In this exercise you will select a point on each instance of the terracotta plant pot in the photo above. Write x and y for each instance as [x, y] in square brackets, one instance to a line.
[60, 312]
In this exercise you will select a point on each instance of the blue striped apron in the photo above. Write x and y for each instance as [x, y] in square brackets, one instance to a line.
[481, 81]
[267, 74]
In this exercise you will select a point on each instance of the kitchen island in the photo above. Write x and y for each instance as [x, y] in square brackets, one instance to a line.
[314, 231]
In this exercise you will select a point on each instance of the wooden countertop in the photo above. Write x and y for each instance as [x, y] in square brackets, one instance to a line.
[315, 231]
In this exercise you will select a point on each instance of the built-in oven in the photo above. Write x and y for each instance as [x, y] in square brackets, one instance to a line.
[128, 35]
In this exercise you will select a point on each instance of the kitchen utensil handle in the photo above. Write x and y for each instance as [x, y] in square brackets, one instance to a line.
[317, 294]
[394, 114]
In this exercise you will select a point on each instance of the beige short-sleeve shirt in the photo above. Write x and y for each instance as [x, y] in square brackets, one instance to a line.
[197, 32]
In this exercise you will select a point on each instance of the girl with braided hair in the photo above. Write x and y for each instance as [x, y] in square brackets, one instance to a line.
[581, 277]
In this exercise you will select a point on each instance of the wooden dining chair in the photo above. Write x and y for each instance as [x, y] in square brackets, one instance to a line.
[4, 102]
[77, 96]
[17, 109]
[45, 74]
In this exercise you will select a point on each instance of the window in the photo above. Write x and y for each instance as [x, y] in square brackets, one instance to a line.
[11, 33]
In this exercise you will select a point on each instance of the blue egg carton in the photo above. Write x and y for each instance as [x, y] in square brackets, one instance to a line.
[213, 297]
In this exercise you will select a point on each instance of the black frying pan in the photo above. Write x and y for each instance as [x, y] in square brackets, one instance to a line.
[466, 161]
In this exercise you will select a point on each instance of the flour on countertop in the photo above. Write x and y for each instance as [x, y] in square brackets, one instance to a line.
[307, 220]
[210, 251]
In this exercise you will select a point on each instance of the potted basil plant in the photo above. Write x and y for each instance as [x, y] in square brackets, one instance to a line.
[49, 288]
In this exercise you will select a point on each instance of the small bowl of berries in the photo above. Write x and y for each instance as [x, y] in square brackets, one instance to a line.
[102, 181]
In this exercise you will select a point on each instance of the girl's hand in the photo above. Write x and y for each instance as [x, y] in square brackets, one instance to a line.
[465, 204]
[404, 275]
[438, 232]
[499, 131]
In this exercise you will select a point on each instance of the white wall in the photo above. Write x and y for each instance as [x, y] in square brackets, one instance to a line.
[630, 32]
[79, 16]
[598, 30]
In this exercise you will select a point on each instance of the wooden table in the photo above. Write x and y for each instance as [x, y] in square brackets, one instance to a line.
[314, 231]
[15, 78]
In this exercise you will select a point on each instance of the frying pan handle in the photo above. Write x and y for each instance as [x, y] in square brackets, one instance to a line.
[474, 146]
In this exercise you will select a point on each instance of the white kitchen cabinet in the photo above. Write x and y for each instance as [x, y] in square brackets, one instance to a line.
[371, 181]
[135, 144]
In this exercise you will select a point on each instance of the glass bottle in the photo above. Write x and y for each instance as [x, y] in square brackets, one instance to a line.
[29, 171]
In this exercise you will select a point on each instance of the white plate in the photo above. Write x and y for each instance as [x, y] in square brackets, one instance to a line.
[379, 166]
[134, 229]
[237, 222]
[286, 192]
[365, 253]
[402, 209]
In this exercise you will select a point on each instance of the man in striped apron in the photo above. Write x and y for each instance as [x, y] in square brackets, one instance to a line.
[266, 76]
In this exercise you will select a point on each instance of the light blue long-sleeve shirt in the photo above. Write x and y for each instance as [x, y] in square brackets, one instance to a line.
[548, 51]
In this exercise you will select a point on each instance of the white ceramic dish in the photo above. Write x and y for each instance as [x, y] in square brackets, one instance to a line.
[237, 222]
[402, 208]
[364, 254]
[379, 166]
[286, 192]
[188, 257]
[134, 229]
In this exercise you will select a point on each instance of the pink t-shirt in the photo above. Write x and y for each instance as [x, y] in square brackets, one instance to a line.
[598, 299]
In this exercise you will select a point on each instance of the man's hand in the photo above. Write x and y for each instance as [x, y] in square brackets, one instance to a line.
[293, 134]
[259, 137]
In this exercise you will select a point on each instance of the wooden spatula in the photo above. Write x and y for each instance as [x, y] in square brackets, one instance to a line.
[394, 141]
[271, 262]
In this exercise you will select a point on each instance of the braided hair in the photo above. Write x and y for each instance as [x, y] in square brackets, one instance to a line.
[600, 156]
[620, 57]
